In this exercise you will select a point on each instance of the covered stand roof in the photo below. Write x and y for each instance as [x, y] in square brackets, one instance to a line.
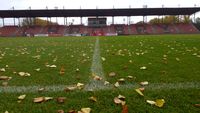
[98, 12]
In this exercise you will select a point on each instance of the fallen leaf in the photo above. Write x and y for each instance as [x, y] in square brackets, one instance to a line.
[86, 110]
[71, 111]
[52, 66]
[117, 100]
[197, 105]
[142, 89]
[151, 102]
[106, 83]
[48, 98]
[41, 89]
[5, 78]
[70, 88]
[80, 85]
[24, 74]
[139, 92]
[116, 84]
[60, 111]
[21, 97]
[121, 80]
[144, 83]
[2, 69]
[160, 102]
[112, 74]
[38, 69]
[6, 112]
[38, 100]
[96, 77]
[62, 71]
[130, 77]
[103, 59]
[92, 98]
[143, 68]
[61, 99]
[124, 109]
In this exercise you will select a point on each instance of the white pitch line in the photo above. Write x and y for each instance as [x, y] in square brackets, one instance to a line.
[96, 69]
[59, 88]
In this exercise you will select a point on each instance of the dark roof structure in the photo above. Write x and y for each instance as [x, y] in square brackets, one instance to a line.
[98, 12]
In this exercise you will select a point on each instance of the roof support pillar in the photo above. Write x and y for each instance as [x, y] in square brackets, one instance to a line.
[113, 20]
[14, 21]
[81, 20]
[3, 22]
[19, 22]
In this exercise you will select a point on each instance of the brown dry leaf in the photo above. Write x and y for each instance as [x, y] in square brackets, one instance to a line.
[142, 89]
[92, 98]
[62, 71]
[5, 78]
[124, 109]
[139, 92]
[61, 99]
[112, 74]
[121, 97]
[96, 77]
[144, 83]
[197, 105]
[22, 97]
[160, 102]
[86, 110]
[38, 99]
[71, 111]
[60, 111]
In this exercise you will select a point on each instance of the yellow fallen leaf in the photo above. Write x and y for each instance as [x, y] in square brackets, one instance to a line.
[2, 69]
[48, 98]
[143, 68]
[92, 98]
[139, 92]
[106, 83]
[86, 110]
[160, 102]
[117, 100]
[38, 100]
[21, 97]
[80, 85]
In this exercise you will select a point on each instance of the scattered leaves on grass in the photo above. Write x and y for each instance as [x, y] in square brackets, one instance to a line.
[92, 98]
[121, 80]
[144, 83]
[158, 102]
[112, 74]
[61, 100]
[139, 92]
[124, 109]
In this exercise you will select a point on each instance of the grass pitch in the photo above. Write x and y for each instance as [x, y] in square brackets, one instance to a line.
[172, 69]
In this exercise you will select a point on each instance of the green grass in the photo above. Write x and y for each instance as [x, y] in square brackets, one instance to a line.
[59, 51]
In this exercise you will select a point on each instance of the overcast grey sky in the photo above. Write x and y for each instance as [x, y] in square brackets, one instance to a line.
[92, 4]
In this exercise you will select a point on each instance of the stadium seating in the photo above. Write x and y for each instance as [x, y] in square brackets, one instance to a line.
[78, 30]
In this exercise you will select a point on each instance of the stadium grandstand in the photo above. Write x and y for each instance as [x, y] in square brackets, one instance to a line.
[97, 22]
